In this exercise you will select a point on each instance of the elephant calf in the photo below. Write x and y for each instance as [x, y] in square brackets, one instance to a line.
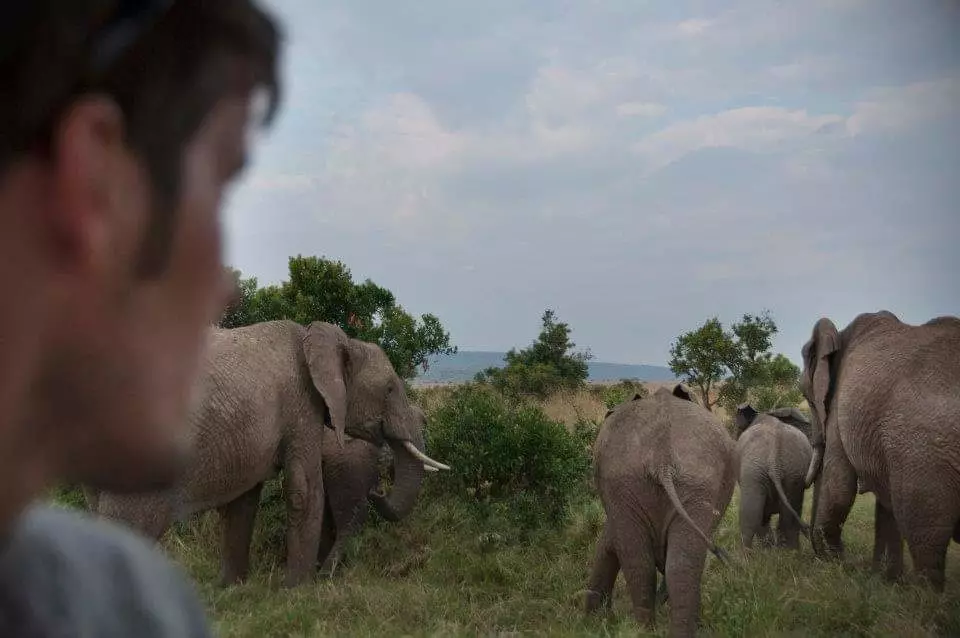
[351, 474]
[665, 468]
[773, 455]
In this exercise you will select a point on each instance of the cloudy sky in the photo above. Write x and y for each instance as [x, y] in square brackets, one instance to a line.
[636, 165]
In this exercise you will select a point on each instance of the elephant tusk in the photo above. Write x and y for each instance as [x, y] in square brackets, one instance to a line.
[814, 470]
[430, 468]
[423, 458]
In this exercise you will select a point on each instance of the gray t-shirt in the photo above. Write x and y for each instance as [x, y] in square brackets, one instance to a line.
[66, 573]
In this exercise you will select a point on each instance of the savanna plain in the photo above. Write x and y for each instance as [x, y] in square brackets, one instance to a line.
[464, 567]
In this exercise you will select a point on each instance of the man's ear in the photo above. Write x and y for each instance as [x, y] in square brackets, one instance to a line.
[87, 152]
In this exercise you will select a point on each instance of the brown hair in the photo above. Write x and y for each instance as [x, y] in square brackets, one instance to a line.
[166, 82]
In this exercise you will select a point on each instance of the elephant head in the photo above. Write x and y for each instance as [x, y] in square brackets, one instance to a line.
[816, 383]
[407, 481]
[747, 414]
[366, 399]
[681, 391]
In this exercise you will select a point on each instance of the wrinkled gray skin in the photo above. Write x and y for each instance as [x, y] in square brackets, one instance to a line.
[774, 455]
[885, 401]
[665, 469]
[351, 475]
[265, 392]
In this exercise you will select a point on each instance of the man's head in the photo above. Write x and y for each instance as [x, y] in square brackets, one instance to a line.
[122, 125]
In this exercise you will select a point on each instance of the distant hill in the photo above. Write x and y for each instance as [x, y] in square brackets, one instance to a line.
[465, 364]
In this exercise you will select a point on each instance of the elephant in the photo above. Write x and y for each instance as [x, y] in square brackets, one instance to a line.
[264, 394]
[665, 468]
[773, 453]
[885, 403]
[351, 474]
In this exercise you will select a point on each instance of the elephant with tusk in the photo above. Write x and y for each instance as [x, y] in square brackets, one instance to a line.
[266, 393]
[885, 401]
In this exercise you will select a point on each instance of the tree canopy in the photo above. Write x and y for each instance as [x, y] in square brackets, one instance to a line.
[319, 289]
[738, 361]
[546, 366]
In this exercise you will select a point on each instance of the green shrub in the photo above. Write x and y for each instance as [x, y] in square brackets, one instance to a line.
[547, 366]
[508, 455]
[623, 390]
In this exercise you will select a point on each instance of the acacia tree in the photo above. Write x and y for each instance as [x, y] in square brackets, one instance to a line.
[739, 358]
[700, 357]
[320, 289]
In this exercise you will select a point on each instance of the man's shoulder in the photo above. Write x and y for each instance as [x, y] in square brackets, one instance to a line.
[99, 576]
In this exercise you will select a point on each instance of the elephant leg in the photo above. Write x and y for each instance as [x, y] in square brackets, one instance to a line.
[887, 543]
[305, 501]
[834, 493]
[788, 528]
[928, 528]
[342, 535]
[686, 557]
[603, 575]
[635, 550]
[328, 536]
[752, 514]
[237, 519]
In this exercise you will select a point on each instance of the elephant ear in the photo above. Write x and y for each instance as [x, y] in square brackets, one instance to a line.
[637, 396]
[792, 416]
[325, 348]
[681, 391]
[816, 381]
[746, 414]
[607, 415]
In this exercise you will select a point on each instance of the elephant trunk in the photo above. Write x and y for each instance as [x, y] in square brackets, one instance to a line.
[408, 478]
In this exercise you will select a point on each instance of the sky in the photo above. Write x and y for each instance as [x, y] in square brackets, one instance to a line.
[637, 166]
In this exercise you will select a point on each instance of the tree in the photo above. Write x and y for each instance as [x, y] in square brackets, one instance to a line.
[741, 359]
[323, 290]
[546, 366]
[778, 385]
[702, 357]
[238, 313]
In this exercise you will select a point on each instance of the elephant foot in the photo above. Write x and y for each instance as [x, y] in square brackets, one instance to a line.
[328, 568]
[595, 601]
[230, 581]
[293, 579]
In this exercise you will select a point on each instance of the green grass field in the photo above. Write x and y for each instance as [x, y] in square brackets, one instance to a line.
[446, 571]
[442, 573]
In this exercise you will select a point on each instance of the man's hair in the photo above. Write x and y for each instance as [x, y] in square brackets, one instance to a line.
[166, 82]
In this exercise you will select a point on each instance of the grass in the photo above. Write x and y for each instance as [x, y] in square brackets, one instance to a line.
[448, 571]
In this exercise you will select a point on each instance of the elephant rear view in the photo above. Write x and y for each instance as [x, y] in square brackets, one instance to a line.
[885, 401]
[773, 455]
[665, 469]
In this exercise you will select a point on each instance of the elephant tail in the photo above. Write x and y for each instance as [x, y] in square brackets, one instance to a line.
[666, 479]
[778, 485]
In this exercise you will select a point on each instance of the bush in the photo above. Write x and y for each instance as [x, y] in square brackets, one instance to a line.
[623, 390]
[509, 455]
[547, 366]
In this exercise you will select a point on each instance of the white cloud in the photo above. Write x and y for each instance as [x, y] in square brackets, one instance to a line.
[752, 128]
[693, 27]
[640, 109]
[896, 109]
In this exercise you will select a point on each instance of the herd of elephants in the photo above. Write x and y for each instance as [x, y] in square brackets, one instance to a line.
[884, 400]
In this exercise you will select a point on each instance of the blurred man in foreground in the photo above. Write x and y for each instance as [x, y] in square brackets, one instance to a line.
[121, 125]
